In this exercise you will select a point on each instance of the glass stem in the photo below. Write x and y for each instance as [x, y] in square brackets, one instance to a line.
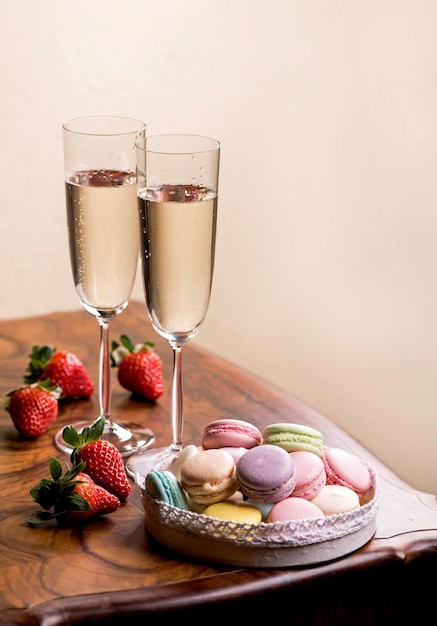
[177, 401]
[105, 373]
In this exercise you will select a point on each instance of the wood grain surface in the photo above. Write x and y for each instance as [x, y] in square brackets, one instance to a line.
[110, 570]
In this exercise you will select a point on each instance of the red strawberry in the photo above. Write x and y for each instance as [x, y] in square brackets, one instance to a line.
[33, 408]
[100, 500]
[103, 460]
[63, 368]
[73, 497]
[139, 368]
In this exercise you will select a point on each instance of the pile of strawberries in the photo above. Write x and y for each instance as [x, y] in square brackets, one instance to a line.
[56, 375]
[95, 482]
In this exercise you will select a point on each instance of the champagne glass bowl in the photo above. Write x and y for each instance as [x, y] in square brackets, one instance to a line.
[103, 234]
[177, 194]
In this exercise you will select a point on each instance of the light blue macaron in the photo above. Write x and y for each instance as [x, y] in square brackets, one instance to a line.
[164, 486]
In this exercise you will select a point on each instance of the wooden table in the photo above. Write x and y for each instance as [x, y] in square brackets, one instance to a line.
[110, 569]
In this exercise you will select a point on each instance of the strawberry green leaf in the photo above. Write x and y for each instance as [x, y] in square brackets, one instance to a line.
[55, 468]
[73, 472]
[127, 342]
[39, 359]
[38, 517]
[71, 436]
[75, 502]
[44, 493]
[97, 428]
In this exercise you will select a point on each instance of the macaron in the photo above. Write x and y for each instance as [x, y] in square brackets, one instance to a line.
[209, 476]
[234, 433]
[310, 474]
[333, 499]
[163, 486]
[235, 511]
[266, 473]
[236, 453]
[293, 508]
[347, 469]
[293, 437]
[180, 458]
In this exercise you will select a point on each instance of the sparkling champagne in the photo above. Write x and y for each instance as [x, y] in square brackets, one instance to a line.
[103, 229]
[177, 249]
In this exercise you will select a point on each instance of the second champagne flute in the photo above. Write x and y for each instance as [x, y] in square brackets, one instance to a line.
[103, 233]
[177, 191]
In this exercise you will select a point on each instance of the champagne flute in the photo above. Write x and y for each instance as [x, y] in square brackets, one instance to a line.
[103, 232]
[177, 194]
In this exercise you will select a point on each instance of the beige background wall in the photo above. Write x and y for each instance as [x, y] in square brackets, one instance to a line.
[326, 273]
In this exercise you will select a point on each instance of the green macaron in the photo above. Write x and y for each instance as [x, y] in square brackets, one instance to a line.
[164, 486]
[294, 437]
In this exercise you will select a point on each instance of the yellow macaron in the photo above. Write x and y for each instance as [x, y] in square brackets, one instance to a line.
[235, 511]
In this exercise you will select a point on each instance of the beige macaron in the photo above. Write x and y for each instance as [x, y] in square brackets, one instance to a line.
[209, 476]
[333, 499]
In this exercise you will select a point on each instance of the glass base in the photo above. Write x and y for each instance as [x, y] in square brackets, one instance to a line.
[128, 437]
[139, 465]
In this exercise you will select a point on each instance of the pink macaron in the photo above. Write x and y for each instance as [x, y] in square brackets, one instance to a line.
[236, 453]
[310, 474]
[293, 508]
[266, 473]
[347, 469]
[233, 433]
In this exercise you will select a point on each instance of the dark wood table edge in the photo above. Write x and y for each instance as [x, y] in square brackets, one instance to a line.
[191, 595]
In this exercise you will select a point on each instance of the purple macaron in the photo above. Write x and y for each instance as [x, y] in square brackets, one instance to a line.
[266, 473]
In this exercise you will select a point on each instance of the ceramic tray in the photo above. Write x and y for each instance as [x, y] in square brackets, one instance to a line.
[282, 544]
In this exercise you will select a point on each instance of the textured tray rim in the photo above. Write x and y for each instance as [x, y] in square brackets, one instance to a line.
[282, 544]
